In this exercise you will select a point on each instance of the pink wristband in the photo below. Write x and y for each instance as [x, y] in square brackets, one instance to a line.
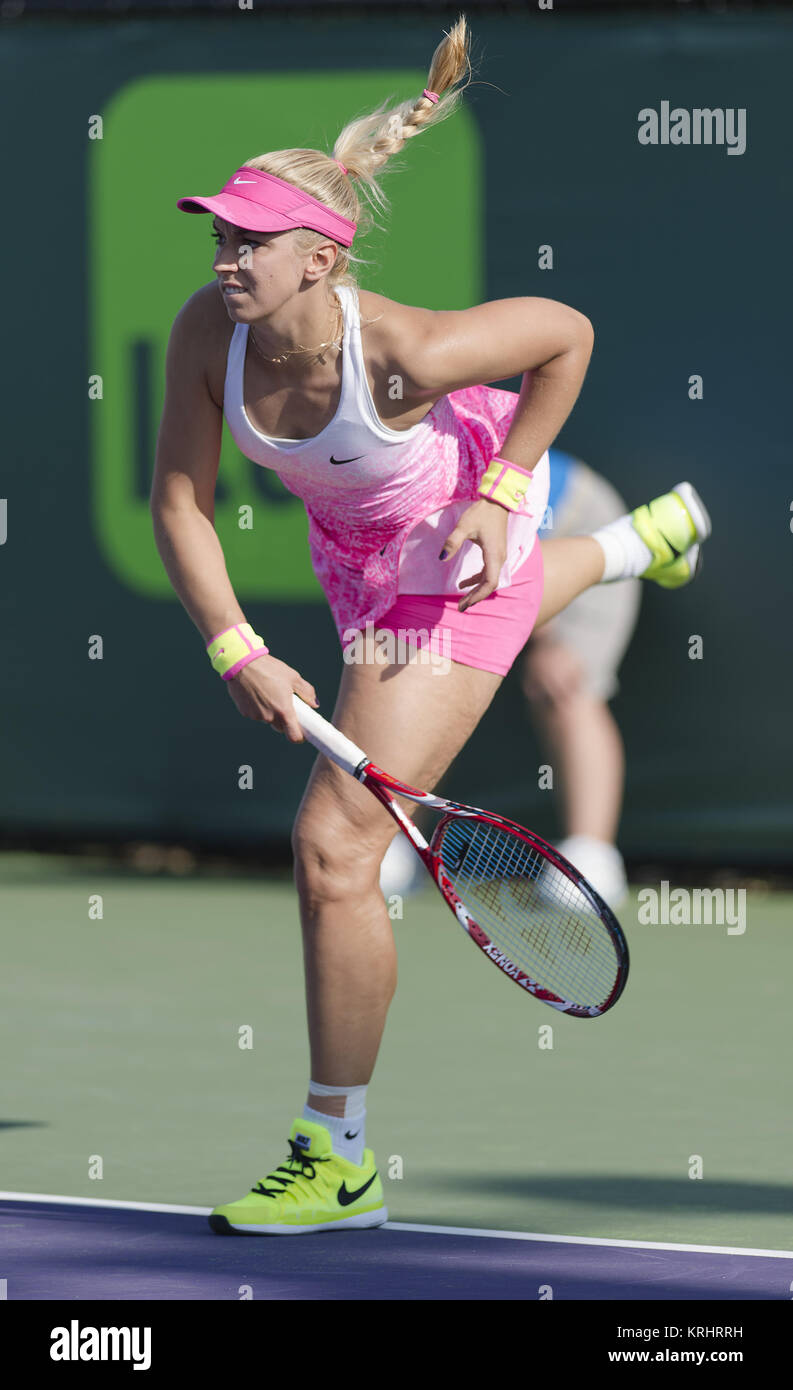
[235, 627]
[507, 463]
[503, 482]
[243, 661]
[233, 648]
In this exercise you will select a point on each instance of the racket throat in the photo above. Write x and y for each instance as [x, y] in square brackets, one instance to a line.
[367, 772]
[412, 831]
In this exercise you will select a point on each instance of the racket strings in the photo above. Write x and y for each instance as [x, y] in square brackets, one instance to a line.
[532, 912]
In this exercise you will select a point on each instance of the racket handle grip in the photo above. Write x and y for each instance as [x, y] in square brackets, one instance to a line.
[327, 738]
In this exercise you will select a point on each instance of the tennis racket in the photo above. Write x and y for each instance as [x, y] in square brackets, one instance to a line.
[525, 906]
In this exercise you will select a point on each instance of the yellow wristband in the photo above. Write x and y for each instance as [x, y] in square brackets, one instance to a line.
[233, 648]
[506, 483]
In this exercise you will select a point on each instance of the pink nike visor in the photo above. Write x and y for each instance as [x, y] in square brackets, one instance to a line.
[259, 202]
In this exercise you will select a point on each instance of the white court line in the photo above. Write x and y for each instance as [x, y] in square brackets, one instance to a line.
[101, 1202]
[589, 1240]
[545, 1238]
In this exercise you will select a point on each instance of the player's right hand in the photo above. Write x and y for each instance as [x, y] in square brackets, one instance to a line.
[263, 690]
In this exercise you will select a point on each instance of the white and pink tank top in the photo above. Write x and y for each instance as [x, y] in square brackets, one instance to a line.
[381, 502]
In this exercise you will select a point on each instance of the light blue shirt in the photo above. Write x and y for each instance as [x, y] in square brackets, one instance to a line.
[562, 466]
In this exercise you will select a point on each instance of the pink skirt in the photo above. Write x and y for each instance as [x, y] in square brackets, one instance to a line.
[490, 635]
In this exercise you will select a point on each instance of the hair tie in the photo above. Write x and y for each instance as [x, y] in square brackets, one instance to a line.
[341, 166]
[431, 96]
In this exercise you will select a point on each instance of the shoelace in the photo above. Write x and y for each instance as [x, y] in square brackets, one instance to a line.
[305, 1169]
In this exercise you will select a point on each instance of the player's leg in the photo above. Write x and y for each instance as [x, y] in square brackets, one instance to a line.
[413, 721]
[660, 541]
[571, 564]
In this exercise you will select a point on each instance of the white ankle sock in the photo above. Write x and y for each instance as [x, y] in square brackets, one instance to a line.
[626, 554]
[346, 1134]
[347, 1131]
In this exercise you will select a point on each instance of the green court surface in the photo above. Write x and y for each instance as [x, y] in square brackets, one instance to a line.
[121, 1039]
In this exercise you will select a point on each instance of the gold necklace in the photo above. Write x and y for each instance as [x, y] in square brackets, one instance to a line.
[336, 342]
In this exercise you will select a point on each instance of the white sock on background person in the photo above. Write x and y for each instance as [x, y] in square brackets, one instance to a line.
[601, 862]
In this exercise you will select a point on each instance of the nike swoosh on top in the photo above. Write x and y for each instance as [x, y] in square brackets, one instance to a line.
[352, 460]
[251, 181]
[347, 1198]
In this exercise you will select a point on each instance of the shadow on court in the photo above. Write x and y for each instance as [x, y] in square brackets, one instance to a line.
[54, 1251]
[697, 1197]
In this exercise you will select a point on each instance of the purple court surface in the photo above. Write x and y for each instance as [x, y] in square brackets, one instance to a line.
[60, 1249]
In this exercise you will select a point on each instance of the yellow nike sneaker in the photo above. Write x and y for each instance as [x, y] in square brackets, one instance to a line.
[673, 527]
[314, 1190]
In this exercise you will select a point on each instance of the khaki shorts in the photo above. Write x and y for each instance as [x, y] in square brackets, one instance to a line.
[599, 624]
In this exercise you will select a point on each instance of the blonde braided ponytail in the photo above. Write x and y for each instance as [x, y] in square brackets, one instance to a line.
[365, 145]
[368, 143]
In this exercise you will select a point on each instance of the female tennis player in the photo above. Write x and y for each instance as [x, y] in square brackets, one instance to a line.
[424, 490]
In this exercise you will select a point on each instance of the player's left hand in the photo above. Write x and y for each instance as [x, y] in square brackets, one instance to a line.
[485, 523]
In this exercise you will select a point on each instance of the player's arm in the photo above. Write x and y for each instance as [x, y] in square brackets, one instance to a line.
[182, 507]
[447, 350]
[185, 473]
[454, 348]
